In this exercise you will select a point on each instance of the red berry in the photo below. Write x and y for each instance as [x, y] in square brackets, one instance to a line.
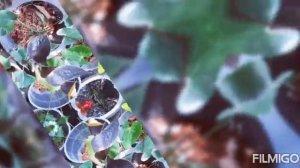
[85, 106]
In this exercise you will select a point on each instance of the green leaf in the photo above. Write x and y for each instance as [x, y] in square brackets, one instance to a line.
[49, 117]
[247, 82]
[70, 32]
[88, 164]
[55, 62]
[101, 70]
[5, 62]
[131, 133]
[60, 133]
[115, 64]
[114, 151]
[198, 36]
[146, 147]
[50, 128]
[19, 54]
[153, 48]
[250, 88]
[135, 97]
[78, 53]
[41, 117]
[22, 79]
[262, 11]
[126, 107]
[63, 120]
[135, 15]
[57, 140]
[272, 42]
[7, 21]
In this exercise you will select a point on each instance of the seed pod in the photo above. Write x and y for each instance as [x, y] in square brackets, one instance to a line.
[39, 48]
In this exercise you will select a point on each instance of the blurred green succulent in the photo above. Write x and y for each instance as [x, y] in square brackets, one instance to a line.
[190, 40]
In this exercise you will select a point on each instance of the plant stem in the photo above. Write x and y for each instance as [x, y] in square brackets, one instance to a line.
[37, 73]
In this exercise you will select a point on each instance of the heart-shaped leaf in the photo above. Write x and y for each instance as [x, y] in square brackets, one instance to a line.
[78, 54]
[70, 32]
[131, 133]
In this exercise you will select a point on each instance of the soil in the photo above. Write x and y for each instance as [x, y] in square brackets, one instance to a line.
[30, 22]
[97, 98]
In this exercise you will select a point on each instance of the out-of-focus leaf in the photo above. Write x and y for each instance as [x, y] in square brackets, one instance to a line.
[246, 83]
[7, 21]
[135, 15]
[139, 72]
[23, 127]
[70, 32]
[273, 42]
[115, 64]
[153, 49]
[19, 54]
[262, 11]
[5, 62]
[23, 80]
[135, 97]
[211, 35]
[250, 88]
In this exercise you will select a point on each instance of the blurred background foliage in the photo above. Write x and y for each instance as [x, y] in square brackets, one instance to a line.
[23, 141]
[210, 79]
